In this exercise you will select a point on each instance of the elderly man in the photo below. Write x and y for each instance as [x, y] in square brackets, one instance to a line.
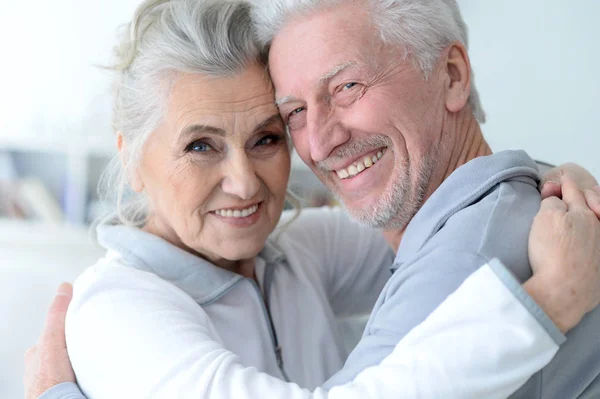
[379, 99]
[381, 104]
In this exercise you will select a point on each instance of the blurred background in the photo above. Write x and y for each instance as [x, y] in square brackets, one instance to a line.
[535, 64]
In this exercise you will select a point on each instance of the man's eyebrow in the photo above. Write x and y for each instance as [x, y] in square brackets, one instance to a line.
[336, 70]
[287, 99]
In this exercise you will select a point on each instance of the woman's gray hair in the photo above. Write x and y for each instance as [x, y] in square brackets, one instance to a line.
[425, 28]
[165, 39]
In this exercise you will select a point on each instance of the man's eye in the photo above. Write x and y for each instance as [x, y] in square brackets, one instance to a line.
[348, 86]
[296, 111]
[198, 146]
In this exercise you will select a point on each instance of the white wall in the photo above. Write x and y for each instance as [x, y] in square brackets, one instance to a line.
[537, 66]
[50, 88]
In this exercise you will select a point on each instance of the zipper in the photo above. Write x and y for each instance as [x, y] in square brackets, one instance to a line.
[274, 340]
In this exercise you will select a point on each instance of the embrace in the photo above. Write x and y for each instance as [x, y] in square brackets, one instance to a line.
[480, 280]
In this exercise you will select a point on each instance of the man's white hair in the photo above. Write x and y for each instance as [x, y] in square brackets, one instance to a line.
[424, 27]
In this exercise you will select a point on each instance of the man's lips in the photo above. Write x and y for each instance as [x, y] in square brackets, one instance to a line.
[364, 162]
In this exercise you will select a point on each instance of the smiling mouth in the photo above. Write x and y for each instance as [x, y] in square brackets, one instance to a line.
[237, 213]
[360, 166]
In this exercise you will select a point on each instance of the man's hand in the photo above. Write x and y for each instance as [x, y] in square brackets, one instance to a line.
[564, 252]
[47, 364]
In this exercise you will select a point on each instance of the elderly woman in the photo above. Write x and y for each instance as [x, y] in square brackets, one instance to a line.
[207, 290]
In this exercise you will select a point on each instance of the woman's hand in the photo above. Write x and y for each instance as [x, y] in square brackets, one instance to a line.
[47, 363]
[564, 252]
[551, 181]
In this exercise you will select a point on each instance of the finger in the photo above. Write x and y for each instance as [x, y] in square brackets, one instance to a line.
[54, 328]
[553, 203]
[553, 175]
[30, 352]
[551, 189]
[592, 198]
[572, 195]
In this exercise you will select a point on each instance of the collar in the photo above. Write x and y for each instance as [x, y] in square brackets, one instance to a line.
[463, 187]
[200, 279]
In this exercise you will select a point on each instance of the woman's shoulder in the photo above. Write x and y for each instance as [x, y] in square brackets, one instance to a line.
[113, 277]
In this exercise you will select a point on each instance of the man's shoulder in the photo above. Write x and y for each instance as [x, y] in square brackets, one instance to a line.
[496, 225]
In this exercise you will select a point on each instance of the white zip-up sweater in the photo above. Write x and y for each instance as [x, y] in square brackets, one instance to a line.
[150, 320]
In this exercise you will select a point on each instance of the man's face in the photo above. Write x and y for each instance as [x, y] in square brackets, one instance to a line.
[361, 116]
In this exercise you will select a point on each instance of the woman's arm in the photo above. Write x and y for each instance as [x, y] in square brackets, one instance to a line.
[484, 348]
[412, 367]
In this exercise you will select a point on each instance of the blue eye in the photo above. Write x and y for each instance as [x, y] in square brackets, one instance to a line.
[296, 111]
[350, 85]
[199, 146]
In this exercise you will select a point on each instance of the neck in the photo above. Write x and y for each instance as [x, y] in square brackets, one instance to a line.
[469, 144]
[461, 142]
[393, 238]
[243, 267]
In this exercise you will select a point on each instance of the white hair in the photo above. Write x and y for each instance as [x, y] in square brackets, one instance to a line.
[165, 39]
[424, 27]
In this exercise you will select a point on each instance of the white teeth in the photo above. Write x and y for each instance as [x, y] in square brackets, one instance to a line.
[352, 170]
[229, 213]
[359, 166]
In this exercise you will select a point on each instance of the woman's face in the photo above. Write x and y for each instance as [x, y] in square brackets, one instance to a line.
[216, 170]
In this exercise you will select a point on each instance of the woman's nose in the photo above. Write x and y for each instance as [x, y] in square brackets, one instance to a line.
[240, 177]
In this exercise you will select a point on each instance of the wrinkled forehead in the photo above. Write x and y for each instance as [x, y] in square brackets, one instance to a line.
[234, 103]
[310, 48]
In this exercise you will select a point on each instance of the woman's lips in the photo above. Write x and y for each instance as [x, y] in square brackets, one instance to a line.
[240, 217]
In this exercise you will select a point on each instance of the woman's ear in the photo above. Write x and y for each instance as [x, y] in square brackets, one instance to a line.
[458, 68]
[133, 176]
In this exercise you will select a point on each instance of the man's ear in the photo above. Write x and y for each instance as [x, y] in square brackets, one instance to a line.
[133, 177]
[458, 70]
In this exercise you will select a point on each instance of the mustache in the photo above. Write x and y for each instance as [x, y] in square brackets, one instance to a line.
[352, 149]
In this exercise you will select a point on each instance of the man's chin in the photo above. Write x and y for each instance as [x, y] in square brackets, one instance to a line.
[363, 212]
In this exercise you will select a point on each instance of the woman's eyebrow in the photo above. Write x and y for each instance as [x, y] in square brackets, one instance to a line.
[195, 129]
[207, 129]
[270, 120]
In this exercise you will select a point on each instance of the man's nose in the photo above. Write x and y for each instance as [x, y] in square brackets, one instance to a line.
[240, 176]
[325, 133]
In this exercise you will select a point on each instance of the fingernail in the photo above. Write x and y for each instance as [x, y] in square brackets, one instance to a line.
[65, 289]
